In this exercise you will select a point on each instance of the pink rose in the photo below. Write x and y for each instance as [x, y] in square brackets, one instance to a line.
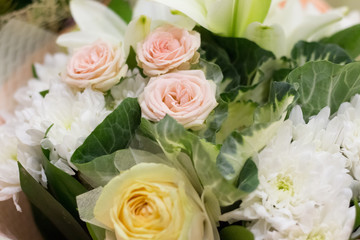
[98, 65]
[166, 48]
[184, 95]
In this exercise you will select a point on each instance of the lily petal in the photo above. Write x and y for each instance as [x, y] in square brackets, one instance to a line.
[157, 11]
[271, 38]
[194, 9]
[94, 17]
[137, 30]
[78, 39]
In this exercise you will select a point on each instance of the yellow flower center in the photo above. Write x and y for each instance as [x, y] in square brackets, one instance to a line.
[14, 157]
[284, 183]
[316, 236]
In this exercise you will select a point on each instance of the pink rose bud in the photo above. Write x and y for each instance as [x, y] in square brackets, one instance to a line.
[184, 95]
[167, 48]
[98, 65]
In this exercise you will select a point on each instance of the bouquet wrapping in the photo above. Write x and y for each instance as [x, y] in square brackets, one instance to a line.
[192, 119]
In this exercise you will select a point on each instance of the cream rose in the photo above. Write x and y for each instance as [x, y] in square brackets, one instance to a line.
[167, 48]
[98, 65]
[153, 201]
[184, 95]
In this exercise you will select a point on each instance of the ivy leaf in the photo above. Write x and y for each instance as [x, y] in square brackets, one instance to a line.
[114, 133]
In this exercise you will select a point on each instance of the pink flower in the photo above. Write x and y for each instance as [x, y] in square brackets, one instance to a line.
[98, 65]
[167, 48]
[184, 95]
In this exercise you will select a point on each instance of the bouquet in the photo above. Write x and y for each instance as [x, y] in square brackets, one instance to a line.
[193, 120]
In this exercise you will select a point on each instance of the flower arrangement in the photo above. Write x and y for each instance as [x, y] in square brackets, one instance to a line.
[192, 120]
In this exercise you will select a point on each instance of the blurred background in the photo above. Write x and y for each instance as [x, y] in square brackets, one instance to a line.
[28, 30]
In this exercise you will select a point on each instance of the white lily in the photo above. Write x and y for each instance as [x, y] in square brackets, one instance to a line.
[160, 13]
[95, 21]
[285, 26]
[228, 18]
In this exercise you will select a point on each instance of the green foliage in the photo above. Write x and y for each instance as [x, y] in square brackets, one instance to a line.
[304, 52]
[235, 232]
[44, 93]
[63, 187]
[131, 59]
[348, 39]
[248, 180]
[239, 59]
[323, 83]
[239, 146]
[34, 73]
[121, 8]
[50, 208]
[114, 133]
[175, 140]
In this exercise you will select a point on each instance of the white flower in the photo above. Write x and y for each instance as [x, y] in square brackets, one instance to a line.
[95, 21]
[349, 115]
[73, 116]
[9, 173]
[132, 86]
[320, 130]
[297, 179]
[47, 73]
[286, 24]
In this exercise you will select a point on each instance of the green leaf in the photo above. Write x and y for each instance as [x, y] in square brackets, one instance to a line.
[246, 57]
[211, 70]
[45, 226]
[348, 39]
[239, 115]
[175, 140]
[241, 145]
[114, 133]
[121, 8]
[282, 97]
[236, 233]
[248, 179]
[304, 52]
[322, 84]
[50, 208]
[214, 122]
[33, 69]
[63, 187]
[239, 59]
[131, 59]
[44, 93]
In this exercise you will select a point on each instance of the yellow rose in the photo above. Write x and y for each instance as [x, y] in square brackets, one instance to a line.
[153, 201]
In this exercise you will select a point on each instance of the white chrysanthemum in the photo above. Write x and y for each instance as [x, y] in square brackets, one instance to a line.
[132, 86]
[320, 130]
[73, 116]
[47, 73]
[296, 182]
[349, 115]
[9, 173]
[332, 222]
